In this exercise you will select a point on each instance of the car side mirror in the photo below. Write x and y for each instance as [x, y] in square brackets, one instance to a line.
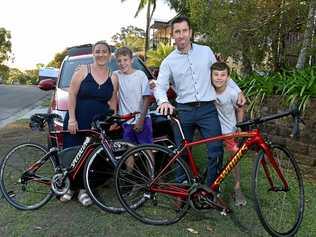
[47, 78]
[47, 84]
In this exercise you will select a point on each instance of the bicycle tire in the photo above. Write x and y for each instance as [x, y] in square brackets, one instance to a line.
[279, 211]
[25, 193]
[132, 185]
[98, 177]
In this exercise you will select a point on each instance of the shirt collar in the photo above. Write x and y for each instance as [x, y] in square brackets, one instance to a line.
[190, 50]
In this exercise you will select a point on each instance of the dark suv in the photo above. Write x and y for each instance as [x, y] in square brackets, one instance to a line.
[80, 55]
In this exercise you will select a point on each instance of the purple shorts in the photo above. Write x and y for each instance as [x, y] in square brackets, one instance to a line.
[144, 137]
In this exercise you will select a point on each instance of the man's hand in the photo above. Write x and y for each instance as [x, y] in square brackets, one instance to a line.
[241, 100]
[165, 108]
[139, 125]
[114, 127]
[152, 84]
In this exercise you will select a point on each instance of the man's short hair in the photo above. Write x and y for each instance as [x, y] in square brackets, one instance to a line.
[180, 19]
[124, 51]
[220, 66]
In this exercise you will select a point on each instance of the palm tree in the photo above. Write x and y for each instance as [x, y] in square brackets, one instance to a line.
[151, 7]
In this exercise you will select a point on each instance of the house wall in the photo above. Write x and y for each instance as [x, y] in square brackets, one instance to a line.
[162, 35]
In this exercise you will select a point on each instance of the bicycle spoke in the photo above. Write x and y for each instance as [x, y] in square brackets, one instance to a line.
[157, 207]
[23, 190]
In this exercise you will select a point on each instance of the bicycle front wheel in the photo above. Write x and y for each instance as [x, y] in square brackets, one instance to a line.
[98, 177]
[280, 208]
[157, 203]
[26, 185]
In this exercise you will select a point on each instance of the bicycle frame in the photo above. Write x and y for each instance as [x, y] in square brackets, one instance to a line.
[253, 137]
[85, 150]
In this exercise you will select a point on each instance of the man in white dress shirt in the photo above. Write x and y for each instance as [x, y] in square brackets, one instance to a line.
[188, 70]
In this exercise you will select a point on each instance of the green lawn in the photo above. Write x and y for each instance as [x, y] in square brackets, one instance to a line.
[71, 219]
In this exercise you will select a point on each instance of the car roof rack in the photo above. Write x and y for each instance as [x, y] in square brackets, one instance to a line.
[84, 49]
[79, 50]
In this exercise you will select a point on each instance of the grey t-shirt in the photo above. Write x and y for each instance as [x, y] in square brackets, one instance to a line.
[132, 88]
[225, 104]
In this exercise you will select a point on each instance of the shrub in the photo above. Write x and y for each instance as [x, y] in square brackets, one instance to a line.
[295, 87]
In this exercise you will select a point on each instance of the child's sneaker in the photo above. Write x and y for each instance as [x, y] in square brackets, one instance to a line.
[67, 196]
[239, 198]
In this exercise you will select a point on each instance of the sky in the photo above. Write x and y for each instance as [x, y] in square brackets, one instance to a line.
[41, 28]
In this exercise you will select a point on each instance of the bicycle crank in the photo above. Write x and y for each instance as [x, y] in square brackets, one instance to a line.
[60, 185]
[202, 198]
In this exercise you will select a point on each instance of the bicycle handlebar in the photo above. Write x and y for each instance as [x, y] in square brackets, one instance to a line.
[294, 111]
[110, 119]
[37, 121]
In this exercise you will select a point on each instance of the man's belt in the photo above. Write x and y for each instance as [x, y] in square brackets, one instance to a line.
[198, 103]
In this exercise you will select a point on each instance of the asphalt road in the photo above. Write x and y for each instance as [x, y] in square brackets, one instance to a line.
[17, 100]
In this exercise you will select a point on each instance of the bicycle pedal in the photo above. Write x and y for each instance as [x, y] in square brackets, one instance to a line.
[223, 213]
[11, 194]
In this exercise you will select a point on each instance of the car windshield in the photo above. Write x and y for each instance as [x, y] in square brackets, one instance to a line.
[69, 66]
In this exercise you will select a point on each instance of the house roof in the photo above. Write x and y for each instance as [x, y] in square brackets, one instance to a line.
[160, 24]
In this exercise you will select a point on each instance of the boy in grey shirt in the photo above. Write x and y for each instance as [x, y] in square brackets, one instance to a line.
[133, 94]
[229, 114]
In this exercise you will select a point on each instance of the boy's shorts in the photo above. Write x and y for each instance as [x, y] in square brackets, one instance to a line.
[144, 137]
[231, 145]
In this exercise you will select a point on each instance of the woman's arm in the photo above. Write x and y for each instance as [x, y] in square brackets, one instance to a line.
[72, 97]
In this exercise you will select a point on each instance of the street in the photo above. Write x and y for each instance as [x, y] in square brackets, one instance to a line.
[16, 100]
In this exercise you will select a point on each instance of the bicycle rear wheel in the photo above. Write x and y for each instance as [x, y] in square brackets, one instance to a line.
[98, 177]
[24, 187]
[280, 210]
[156, 204]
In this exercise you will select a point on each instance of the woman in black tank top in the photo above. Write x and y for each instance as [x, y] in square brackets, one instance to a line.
[91, 92]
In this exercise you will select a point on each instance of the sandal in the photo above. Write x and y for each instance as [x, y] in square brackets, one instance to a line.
[239, 198]
[67, 196]
[84, 198]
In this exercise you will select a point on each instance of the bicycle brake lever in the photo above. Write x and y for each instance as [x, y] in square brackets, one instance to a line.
[296, 127]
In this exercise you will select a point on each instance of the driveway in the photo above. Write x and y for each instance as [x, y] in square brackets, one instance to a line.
[17, 100]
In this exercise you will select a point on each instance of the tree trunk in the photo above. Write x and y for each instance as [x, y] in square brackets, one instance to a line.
[247, 68]
[148, 19]
[280, 42]
[310, 27]
[275, 55]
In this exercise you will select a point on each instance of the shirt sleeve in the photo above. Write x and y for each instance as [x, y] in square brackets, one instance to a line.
[162, 83]
[145, 84]
[232, 84]
[211, 57]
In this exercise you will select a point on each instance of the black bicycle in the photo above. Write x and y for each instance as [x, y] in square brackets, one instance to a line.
[31, 175]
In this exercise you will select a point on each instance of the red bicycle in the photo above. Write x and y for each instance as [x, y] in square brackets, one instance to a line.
[153, 179]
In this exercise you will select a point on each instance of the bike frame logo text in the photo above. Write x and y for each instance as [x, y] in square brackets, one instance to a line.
[81, 151]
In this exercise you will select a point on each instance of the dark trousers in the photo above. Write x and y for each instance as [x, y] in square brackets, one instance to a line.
[204, 117]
